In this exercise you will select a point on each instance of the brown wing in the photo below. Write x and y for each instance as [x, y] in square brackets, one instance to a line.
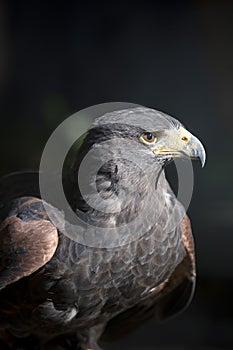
[28, 240]
[167, 299]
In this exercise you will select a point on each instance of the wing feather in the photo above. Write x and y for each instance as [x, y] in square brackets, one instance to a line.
[28, 240]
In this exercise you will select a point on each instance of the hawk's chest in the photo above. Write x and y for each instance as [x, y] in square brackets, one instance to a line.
[123, 274]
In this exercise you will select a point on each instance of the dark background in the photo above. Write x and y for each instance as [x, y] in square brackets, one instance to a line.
[57, 58]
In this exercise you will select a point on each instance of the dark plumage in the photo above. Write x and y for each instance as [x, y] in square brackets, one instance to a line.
[56, 293]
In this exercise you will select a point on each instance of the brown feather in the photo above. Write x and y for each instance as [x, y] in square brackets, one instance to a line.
[25, 245]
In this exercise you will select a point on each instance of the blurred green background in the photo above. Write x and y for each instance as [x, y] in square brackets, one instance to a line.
[176, 56]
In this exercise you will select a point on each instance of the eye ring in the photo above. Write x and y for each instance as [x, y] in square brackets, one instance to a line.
[148, 138]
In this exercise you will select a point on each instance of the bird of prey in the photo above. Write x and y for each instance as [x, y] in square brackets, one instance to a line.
[59, 293]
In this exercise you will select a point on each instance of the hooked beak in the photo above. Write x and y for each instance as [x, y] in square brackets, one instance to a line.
[177, 143]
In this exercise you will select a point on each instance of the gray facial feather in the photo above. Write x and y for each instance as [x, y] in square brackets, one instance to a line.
[142, 117]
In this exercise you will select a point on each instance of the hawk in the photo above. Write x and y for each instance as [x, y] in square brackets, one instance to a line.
[59, 293]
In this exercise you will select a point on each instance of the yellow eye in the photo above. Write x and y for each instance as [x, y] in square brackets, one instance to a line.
[148, 137]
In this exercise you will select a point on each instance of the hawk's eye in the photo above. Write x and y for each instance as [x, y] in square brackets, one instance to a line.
[148, 137]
